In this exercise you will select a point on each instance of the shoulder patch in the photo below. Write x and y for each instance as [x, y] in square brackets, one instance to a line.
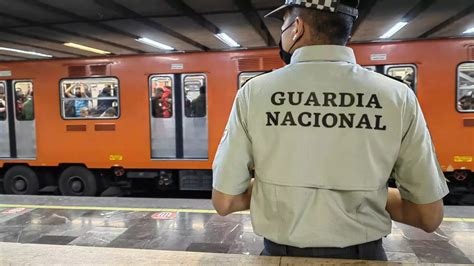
[245, 83]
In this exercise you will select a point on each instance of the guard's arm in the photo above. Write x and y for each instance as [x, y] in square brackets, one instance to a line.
[227, 204]
[427, 217]
[420, 180]
[233, 163]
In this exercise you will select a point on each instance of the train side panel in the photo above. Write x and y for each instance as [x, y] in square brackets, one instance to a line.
[127, 142]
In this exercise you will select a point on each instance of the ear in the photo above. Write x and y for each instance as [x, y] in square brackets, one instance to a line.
[298, 31]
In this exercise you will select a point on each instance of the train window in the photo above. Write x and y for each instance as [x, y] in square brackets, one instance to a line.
[24, 102]
[90, 98]
[195, 103]
[3, 102]
[465, 90]
[245, 76]
[405, 73]
[161, 96]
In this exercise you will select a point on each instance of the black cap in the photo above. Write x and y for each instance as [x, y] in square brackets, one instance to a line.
[348, 7]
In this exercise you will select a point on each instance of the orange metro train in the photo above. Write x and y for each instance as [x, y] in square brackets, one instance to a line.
[85, 125]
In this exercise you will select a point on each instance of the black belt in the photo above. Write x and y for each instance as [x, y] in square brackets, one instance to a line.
[367, 251]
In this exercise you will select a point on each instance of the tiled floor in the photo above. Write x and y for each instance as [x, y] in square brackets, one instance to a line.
[203, 232]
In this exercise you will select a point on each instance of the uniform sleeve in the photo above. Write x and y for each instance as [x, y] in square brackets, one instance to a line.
[417, 171]
[234, 160]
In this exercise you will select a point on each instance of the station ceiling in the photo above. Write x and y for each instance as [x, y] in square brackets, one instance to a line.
[44, 26]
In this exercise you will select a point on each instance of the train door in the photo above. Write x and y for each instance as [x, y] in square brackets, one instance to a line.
[17, 120]
[179, 123]
[195, 128]
[163, 118]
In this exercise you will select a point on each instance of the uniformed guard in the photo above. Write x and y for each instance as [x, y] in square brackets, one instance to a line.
[322, 137]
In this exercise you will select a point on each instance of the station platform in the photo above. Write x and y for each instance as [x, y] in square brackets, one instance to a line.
[146, 225]
[31, 254]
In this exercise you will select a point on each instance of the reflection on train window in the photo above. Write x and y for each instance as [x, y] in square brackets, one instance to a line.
[406, 74]
[195, 103]
[245, 76]
[161, 96]
[90, 98]
[465, 91]
[3, 102]
[24, 102]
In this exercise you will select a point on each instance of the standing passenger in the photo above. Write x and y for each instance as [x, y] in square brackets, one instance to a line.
[28, 108]
[80, 92]
[198, 106]
[156, 103]
[19, 104]
[166, 102]
[324, 135]
[104, 105]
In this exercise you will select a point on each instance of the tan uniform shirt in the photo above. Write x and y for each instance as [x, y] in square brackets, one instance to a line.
[324, 135]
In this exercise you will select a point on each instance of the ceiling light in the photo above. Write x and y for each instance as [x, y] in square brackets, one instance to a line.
[227, 40]
[156, 44]
[86, 48]
[24, 52]
[469, 31]
[394, 29]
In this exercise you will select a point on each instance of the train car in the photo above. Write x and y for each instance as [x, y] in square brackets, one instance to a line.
[84, 125]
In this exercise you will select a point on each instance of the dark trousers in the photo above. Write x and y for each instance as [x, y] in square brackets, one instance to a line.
[367, 251]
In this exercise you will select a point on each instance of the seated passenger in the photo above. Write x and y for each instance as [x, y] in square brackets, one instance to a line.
[110, 113]
[84, 112]
[467, 102]
[69, 109]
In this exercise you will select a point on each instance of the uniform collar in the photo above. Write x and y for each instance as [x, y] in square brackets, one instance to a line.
[323, 53]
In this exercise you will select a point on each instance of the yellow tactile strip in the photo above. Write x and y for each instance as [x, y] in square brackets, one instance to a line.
[96, 208]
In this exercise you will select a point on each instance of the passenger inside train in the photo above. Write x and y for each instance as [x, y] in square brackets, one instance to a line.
[24, 101]
[466, 102]
[77, 92]
[98, 99]
[196, 99]
[198, 105]
[162, 102]
[103, 105]
[162, 98]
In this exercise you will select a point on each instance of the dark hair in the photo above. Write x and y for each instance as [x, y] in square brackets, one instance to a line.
[326, 27]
